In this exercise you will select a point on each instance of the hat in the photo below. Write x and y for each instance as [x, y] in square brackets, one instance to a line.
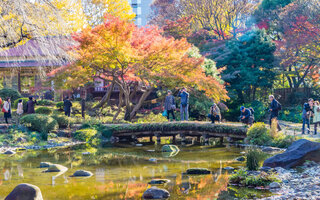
[169, 91]
[241, 108]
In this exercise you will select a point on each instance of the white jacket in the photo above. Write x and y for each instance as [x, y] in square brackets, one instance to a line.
[20, 108]
[7, 106]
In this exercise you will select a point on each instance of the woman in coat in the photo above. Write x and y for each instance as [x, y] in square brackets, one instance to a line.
[170, 105]
[30, 105]
[7, 110]
[316, 117]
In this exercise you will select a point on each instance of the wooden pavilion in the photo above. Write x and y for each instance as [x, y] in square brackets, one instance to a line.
[30, 62]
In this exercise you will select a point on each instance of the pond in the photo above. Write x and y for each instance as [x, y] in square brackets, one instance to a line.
[123, 172]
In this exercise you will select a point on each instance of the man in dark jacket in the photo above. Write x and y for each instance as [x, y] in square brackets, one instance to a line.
[30, 105]
[275, 107]
[245, 116]
[306, 114]
[67, 106]
[184, 111]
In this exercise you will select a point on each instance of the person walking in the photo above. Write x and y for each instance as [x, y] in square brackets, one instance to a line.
[275, 107]
[6, 109]
[30, 105]
[316, 117]
[215, 114]
[306, 115]
[67, 106]
[184, 96]
[170, 105]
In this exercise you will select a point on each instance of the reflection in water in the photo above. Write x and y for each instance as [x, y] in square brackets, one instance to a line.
[121, 173]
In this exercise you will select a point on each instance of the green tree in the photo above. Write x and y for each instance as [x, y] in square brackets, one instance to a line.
[249, 63]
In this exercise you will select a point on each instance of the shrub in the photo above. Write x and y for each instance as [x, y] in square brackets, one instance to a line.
[41, 123]
[24, 100]
[7, 92]
[152, 118]
[43, 110]
[85, 135]
[258, 134]
[60, 105]
[45, 102]
[292, 114]
[63, 120]
[254, 159]
[259, 110]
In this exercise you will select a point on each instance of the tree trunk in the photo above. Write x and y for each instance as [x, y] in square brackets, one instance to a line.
[106, 97]
[139, 104]
[119, 106]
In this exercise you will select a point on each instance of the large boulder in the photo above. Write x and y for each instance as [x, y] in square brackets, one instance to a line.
[170, 148]
[25, 191]
[45, 164]
[155, 193]
[56, 168]
[295, 155]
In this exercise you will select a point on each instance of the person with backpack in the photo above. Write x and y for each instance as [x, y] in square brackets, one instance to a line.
[306, 115]
[6, 109]
[246, 116]
[215, 114]
[170, 106]
[275, 107]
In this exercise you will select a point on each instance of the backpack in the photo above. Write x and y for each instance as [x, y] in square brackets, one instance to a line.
[251, 110]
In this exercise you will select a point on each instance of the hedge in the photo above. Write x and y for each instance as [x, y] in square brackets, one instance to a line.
[43, 110]
[7, 92]
[45, 102]
[60, 105]
[63, 120]
[40, 123]
[85, 135]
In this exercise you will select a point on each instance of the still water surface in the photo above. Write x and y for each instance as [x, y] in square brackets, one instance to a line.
[123, 172]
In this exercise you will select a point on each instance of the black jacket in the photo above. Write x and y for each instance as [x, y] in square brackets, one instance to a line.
[275, 107]
[246, 113]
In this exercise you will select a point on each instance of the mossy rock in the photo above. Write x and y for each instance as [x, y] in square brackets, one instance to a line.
[241, 159]
[45, 164]
[198, 171]
[159, 181]
[56, 168]
[170, 148]
[82, 173]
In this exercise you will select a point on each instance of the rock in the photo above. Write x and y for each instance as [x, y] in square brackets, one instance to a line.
[295, 155]
[139, 145]
[271, 149]
[159, 181]
[45, 164]
[243, 152]
[156, 193]
[170, 148]
[82, 173]
[198, 171]
[86, 153]
[274, 185]
[25, 191]
[153, 160]
[56, 168]
[9, 152]
[265, 169]
[228, 168]
[241, 159]
[21, 140]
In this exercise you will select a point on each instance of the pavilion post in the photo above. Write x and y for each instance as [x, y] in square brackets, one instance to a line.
[19, 80]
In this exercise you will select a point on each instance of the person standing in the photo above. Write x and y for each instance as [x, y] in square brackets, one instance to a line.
[184, 96]
[215, 114]
[20, 109]
[275, 107]
[67, 106]
[306, 115]
[170, 105]
[30, 105]
[316, 117]
[7, 110]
